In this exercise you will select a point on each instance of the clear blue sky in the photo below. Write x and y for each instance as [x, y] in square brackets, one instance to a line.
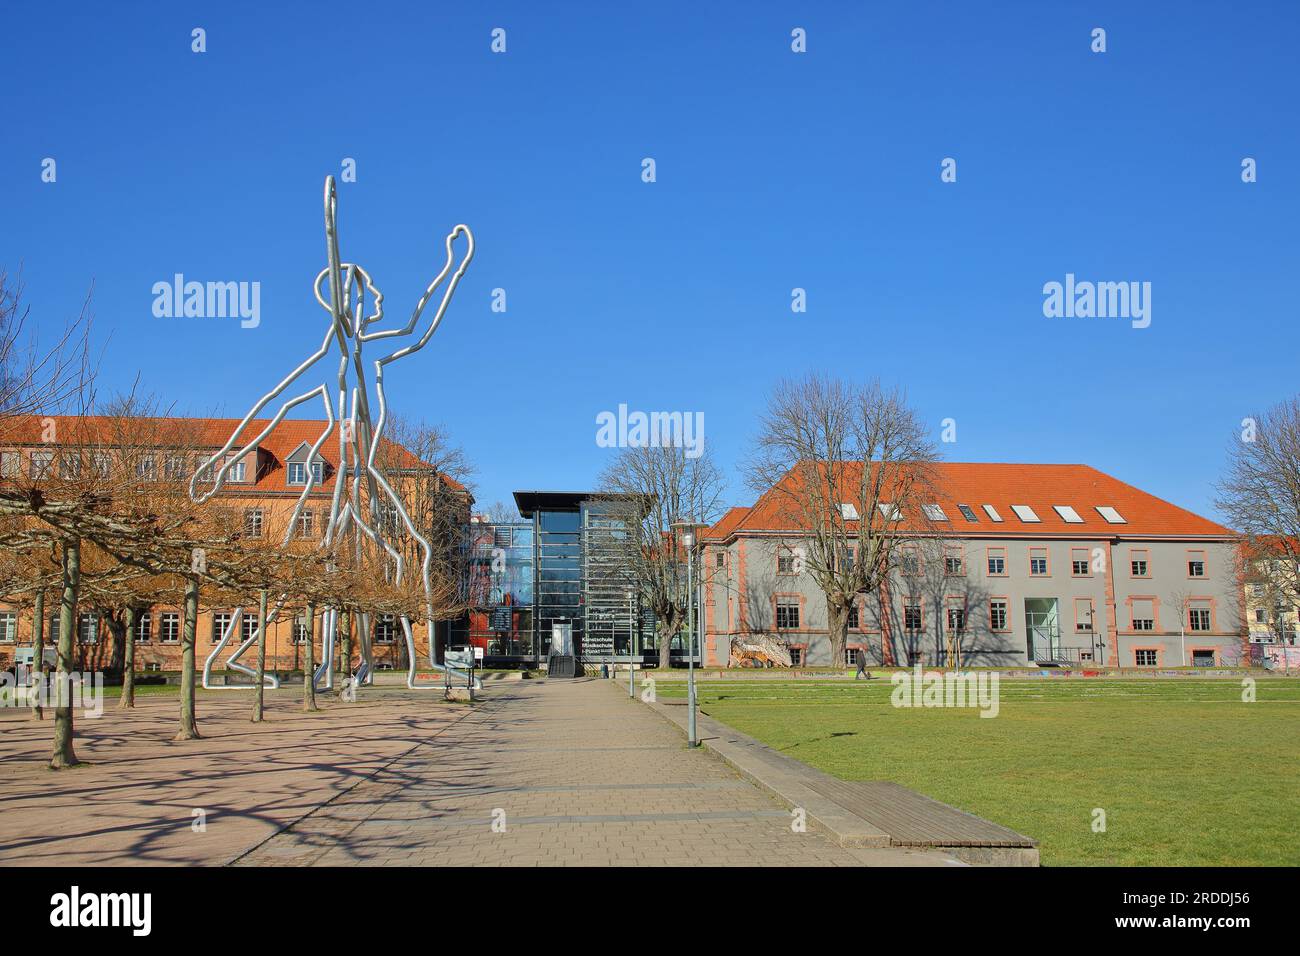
[775, 170]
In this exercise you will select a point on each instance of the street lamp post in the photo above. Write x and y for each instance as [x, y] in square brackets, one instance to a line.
[631, 643]
[688, 529]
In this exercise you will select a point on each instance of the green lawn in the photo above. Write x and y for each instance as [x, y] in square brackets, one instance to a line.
[1187, 773]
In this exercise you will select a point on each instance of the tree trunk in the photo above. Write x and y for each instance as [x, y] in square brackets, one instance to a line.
[259, 693]
[345, 626]
[837, 630]
[127, 701]
[63, 755]
[118, 653]
[666, 633]
[38, 657]
[189, 729]
[309, 672]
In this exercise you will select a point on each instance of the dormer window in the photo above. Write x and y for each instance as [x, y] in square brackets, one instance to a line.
[298, 472]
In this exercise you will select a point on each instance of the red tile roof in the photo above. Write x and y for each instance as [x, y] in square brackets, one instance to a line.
[205, 434]
[1002, 485]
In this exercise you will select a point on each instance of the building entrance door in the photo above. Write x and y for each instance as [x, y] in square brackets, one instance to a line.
[1043, 630]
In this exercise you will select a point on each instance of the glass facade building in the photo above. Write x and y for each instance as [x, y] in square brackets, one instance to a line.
[562, 564]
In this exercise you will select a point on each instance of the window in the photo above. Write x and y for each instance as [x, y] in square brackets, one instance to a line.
[953, 563]
[1139, 566]
[52, 632]
[1257, 590]
[785, 560]
[8, 627]
[1199, 618]
[968, 513]
[301, 630]
[1196, 564]
[169, 630]
[890, 511]
[253, 522]
[40, 464]
[247, 628]
[848, 511]
[1083, 614]
[70, 465]
[911, 561]
[502, 537]
[174, 468]
[1203, 658]
[1261, 616]
[11, 464]
[306, 523]
[1068, 514]
[787, 613]
[934, 512]
[998, 615]
[853, 616]
[1038, 562]
[956, 619]
[1110, 514]
[146, 468]
[236, 472]
[102, 464]
[720, 559]
[850, 657]
[997, 559]
[144, 628]
[297, 475]
[992, 513]
[912, 616]
[385, 629]
[1143, 614]
[87, 629]
[1144, 658]
[1080, 567]
[796, 656]
[1025, 513]
[220, 622]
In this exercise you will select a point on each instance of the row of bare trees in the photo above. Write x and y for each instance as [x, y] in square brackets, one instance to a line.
[95, 513]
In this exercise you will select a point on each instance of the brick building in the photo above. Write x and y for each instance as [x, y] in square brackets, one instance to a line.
[260, 492]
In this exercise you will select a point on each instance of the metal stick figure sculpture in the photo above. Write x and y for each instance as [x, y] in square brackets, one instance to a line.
[355, 519]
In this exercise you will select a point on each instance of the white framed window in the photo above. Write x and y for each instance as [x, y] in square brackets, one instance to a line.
[70, 465]
[385, 629]
[8, 627]
[1198, 618]
[174, 468]
[992, 513]
[890, 511]
[796, 657]
[298, 473]
[169, 631]
[1025, 513]
[1068, 514]
[11, 464]
[102, 463]
[247, 627]
[253, 522]
[40, 464]
[144, 628]
[787, 613]
[301, 630]
[1110, 514]
[998, 615]
[848, 511]
[1144, 658]
[306, 523]
[934, 512]
[87, 629]
[912, 617]
[146, 468]
[220, 621]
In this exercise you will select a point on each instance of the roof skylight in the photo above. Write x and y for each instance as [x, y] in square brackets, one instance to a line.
[1025, 513]
[1110, 514]
[992, 513]
[1068, 514]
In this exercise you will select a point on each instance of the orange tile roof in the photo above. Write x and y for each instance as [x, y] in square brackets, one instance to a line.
[1002, 485]
[198, 433]
[725, 525]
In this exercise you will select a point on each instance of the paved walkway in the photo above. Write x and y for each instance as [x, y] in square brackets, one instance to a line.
[560, 773]
[135, 800]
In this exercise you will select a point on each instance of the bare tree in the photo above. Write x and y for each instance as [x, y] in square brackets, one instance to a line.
[499, 512]
[662, 487]
[1260, 497]
[850, 467]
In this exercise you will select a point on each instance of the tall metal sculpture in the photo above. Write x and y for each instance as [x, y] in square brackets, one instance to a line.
[356, 521]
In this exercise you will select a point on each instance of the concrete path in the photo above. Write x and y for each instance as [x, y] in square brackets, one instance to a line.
[561, 773]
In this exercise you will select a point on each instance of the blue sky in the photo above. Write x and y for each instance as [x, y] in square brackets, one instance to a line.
[775, 170]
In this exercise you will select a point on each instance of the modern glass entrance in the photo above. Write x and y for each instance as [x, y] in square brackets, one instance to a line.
[1042, 629]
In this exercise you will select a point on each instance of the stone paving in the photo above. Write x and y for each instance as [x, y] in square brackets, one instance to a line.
[560, 773]
[134, 801]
